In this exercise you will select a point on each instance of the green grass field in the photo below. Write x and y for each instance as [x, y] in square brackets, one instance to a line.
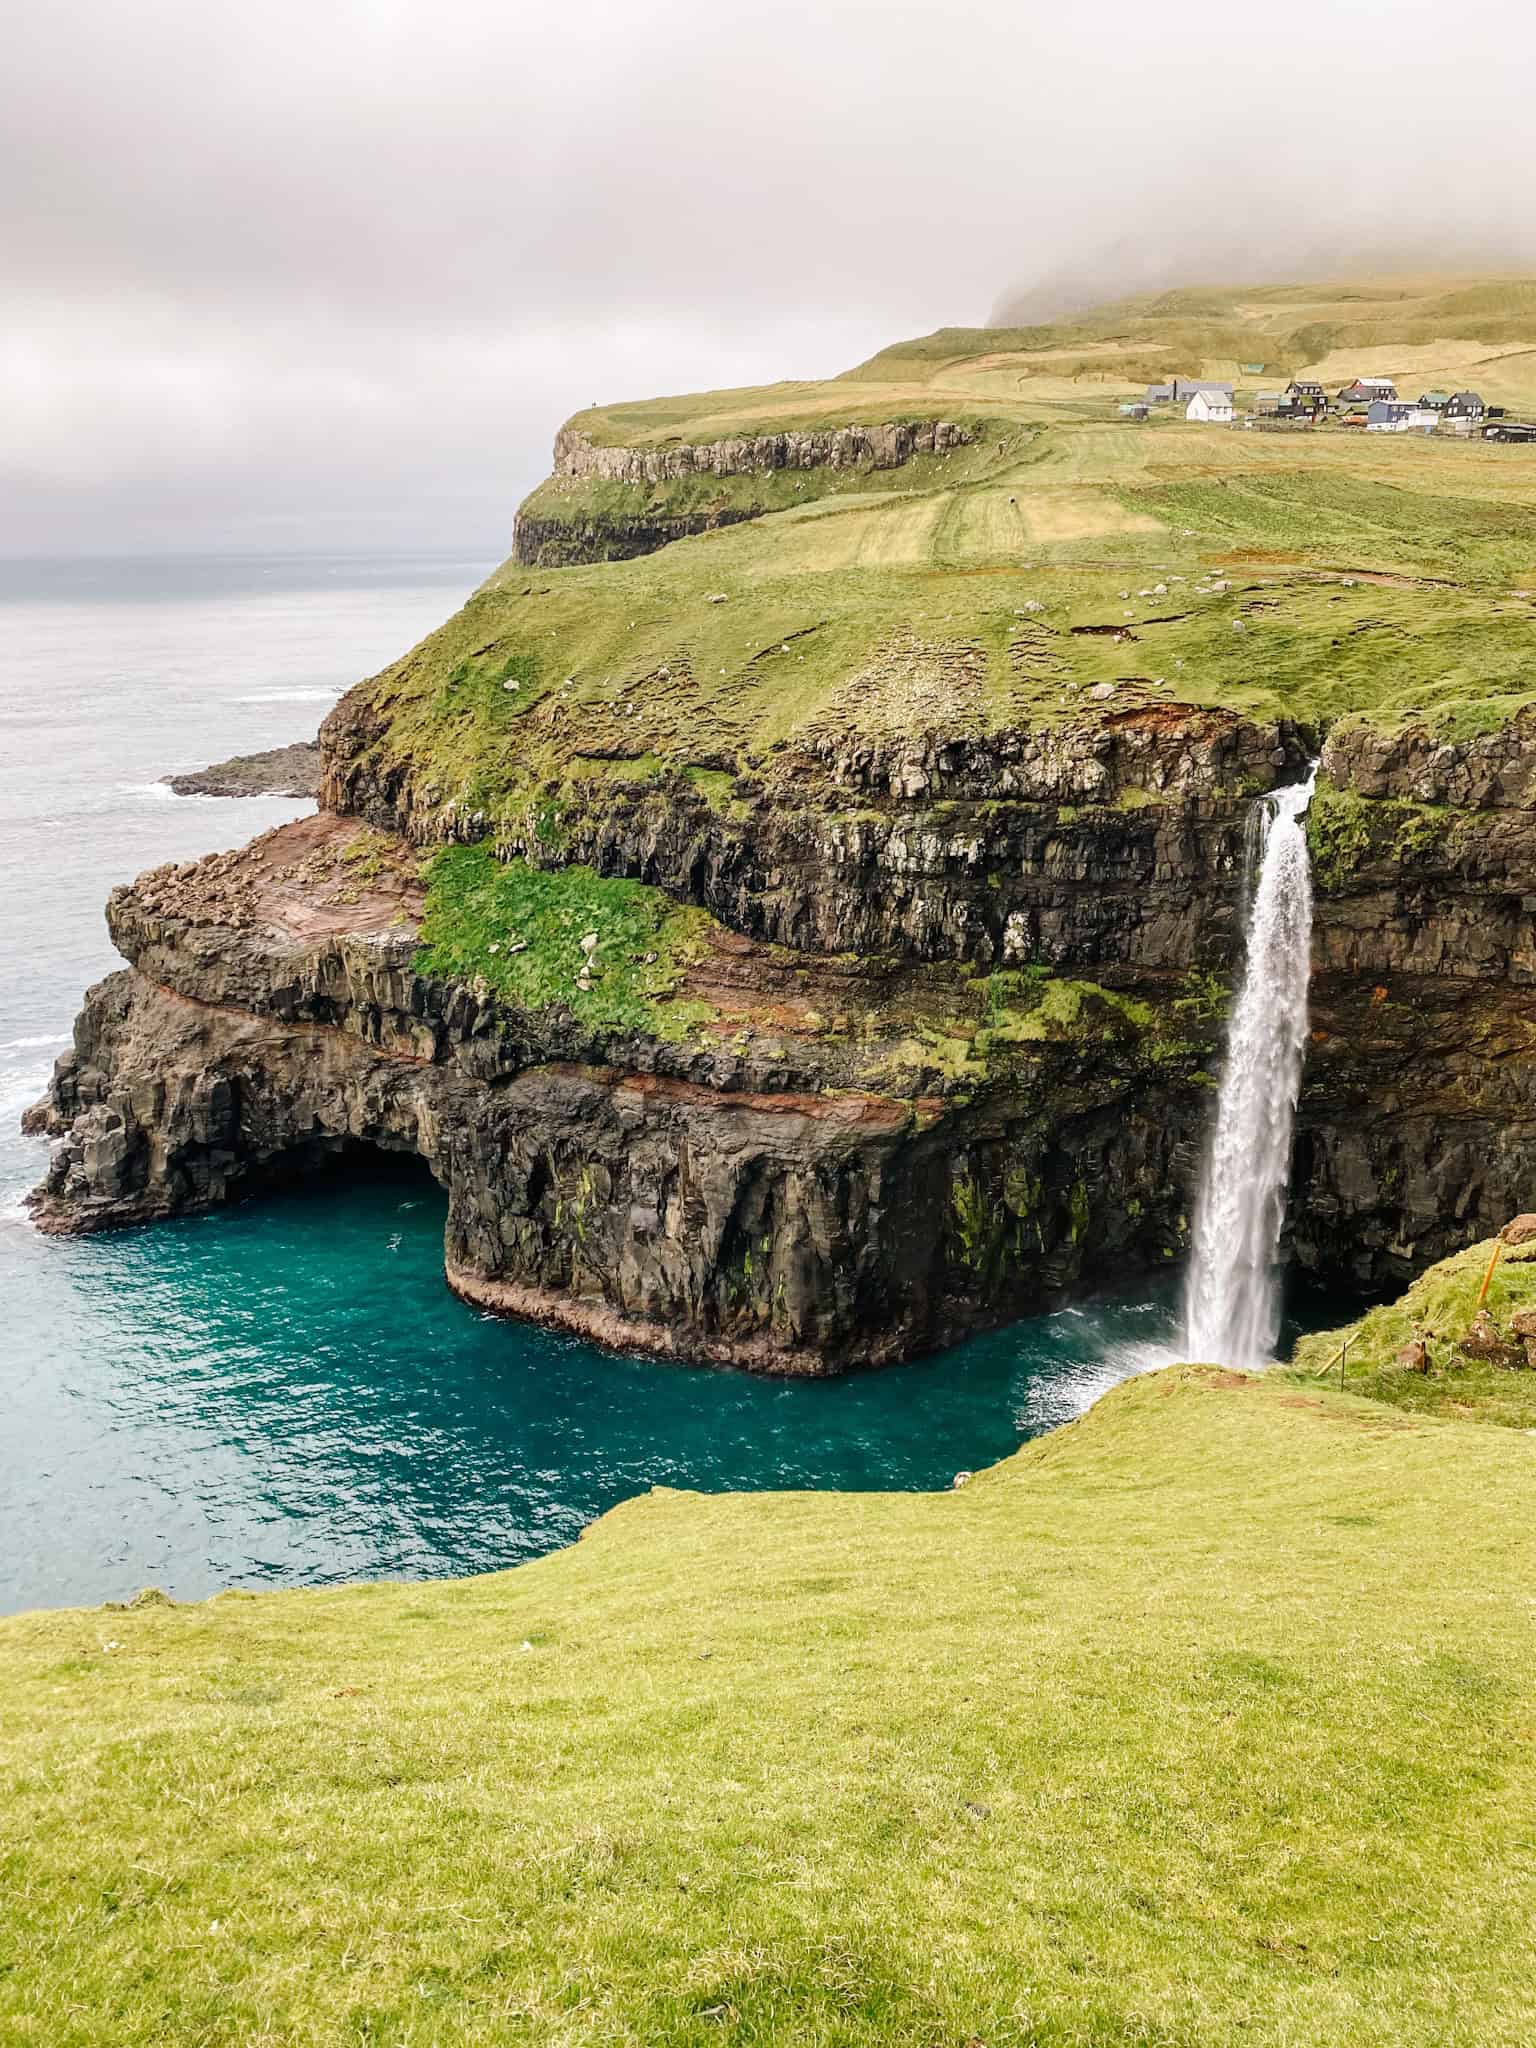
[1206, 1720]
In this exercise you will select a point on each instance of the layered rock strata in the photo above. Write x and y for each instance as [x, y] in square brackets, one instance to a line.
[800, 1198]
[692, 1201]
[856, 447]
[1101, 846]
[549, 536]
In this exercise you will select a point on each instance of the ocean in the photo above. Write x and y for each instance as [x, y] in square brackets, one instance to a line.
[284, 1392]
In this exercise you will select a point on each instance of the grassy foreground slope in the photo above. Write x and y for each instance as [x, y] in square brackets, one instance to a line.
[1205, 1720]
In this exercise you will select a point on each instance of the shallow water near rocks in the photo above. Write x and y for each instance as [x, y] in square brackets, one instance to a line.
[285, 1393]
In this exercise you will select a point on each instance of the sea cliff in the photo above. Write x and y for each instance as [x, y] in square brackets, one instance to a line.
[801, 942]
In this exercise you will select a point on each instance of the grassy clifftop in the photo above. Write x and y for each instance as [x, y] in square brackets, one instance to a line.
[1002, 584]
[1202, 1721]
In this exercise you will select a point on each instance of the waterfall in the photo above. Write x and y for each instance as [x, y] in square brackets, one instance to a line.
[1232, 1297]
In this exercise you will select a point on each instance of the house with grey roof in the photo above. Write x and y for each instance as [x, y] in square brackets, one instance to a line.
[1183, 389]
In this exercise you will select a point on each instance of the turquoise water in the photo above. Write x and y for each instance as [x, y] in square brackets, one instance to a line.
[285, 1393]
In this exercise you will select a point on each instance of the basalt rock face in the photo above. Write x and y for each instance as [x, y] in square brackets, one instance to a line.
[859, 447]
[1105, 847]
[806, 1201]
[689, 1201]
[1417, 1125]
[548, 543]
[1416, 1132]
[1432, 871]
[548, 538]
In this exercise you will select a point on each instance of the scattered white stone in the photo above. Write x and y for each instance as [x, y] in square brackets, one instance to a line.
[1238, 626]
[1159, 590]
[1102, 690]
[717, 597]
[589, 944]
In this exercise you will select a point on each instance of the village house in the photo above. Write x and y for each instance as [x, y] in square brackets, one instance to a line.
[1437, 401]
[1182, 390]
[1400, 416]
[1465, 405]
[1212, 403]
[1305, 396]
[1365, 391]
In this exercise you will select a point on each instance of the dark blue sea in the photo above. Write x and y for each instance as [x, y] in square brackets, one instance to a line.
[285, 1393]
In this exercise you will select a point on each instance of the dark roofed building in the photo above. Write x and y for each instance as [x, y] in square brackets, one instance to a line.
[1183, 389]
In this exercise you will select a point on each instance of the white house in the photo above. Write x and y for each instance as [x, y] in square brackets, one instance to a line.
[1397, 416]
[1213, 404]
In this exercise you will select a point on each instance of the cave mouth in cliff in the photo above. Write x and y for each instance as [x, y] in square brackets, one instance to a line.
[337, 1165]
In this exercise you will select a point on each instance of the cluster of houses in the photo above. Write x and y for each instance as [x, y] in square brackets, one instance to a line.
[1371, 403]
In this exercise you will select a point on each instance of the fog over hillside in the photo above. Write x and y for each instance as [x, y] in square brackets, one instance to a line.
[329, 274]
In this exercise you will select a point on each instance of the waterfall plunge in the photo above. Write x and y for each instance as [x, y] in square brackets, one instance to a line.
[1231, 1301]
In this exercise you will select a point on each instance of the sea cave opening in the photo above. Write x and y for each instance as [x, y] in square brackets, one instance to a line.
[333, 1168]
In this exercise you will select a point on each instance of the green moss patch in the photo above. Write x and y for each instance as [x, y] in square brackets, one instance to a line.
[1347, 832]
[522, 930]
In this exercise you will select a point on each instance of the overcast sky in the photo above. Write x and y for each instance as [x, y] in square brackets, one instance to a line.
[304, 274]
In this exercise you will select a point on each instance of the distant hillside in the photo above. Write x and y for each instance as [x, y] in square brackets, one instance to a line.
[1433, 328]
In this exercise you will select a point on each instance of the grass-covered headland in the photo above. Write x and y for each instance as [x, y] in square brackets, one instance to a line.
[1062, 566]
[1205, 1720]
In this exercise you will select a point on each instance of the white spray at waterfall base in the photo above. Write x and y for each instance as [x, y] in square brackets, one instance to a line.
[1232, 1298]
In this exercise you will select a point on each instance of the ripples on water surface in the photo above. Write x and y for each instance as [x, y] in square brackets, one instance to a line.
[286, 1393]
